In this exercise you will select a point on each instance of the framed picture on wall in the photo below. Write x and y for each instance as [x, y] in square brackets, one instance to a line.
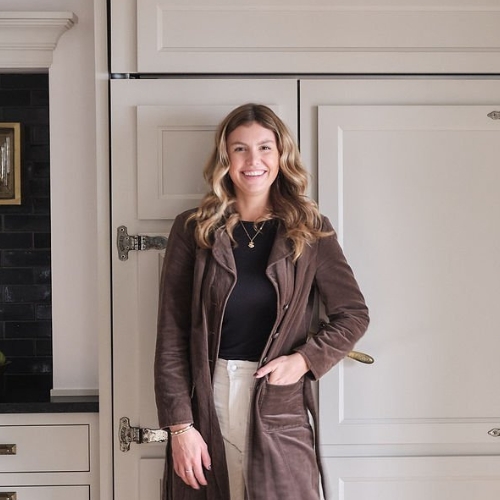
[10, 163]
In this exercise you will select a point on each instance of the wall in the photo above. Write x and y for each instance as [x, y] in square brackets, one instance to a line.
[25, 291]
[74, 205]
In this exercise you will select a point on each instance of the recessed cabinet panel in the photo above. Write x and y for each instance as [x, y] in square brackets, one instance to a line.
[301, 36]
[414, 192]
[457, 478]
[151, 477]
[48, 492]
[46, 448]
[173, 144]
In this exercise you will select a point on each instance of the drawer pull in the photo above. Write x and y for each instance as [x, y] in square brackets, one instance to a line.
[8, 495]
[7, 449]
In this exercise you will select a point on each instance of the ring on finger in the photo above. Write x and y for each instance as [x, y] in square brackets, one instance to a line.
[188, 471]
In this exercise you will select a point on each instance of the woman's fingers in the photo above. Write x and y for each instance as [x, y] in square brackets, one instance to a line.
[190, 454]
[285, 369]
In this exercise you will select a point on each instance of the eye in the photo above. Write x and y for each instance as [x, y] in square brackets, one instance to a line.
[238, 149]
[266, 147]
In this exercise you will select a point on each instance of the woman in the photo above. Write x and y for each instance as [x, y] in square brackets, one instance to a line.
[234, 360]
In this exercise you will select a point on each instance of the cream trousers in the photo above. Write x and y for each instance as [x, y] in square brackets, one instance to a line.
[233, 384]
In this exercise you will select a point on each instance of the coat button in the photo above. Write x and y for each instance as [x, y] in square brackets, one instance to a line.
[276, 334]
[286, 306]
[264, 361]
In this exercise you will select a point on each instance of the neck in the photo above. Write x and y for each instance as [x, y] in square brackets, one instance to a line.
[252, 211]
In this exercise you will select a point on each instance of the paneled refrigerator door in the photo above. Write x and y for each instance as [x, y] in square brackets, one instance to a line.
[414, 192]
[162, 132]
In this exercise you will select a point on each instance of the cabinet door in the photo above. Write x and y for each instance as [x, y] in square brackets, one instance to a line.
[162, 135]
[414, 193]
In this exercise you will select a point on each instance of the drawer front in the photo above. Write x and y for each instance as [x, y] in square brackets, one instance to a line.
[44, 448]
[45, 492]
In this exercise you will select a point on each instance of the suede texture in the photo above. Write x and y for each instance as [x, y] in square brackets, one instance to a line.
[282, 461]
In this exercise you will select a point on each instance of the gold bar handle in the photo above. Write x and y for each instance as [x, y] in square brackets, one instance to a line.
[7, 449]
[8, 495]
[361, 357]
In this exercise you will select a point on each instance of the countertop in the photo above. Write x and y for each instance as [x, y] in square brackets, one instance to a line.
[69, 404]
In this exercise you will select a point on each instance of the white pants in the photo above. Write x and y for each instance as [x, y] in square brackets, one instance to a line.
[233, 384]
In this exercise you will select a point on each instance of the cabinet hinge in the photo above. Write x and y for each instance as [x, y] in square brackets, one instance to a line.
[128, 434]
[126, 242]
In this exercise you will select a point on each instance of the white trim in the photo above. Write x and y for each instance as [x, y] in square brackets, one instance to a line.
[28, 39]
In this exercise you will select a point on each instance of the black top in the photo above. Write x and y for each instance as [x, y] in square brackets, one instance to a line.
[251, 308]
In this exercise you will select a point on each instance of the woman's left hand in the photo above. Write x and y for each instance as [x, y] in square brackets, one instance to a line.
[284, 370]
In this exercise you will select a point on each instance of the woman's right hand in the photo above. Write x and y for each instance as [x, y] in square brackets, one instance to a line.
[190, 456]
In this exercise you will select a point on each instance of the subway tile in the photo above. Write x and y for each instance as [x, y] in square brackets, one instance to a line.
[24, 208]
[42, 275]
[36, 152]
[41, 206]
[39, 97]
[35, 223]
[17, 276]
[39, 187]
[25, 258]
[24, 81]
[28, 329]
[16, 312]
[43, 347]
[38, 134]
[25, 273]
[43, 311]
[41, 240]
[17, 348]
[27, 294]
[26, 114]
[16, 240]
[15, 97]
[40, 169]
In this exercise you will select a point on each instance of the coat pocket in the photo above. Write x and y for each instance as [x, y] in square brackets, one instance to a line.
[282, 406]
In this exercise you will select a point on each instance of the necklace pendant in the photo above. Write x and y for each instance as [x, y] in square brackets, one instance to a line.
[251, 244]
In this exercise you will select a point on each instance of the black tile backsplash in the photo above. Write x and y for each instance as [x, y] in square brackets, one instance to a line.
[25, 272]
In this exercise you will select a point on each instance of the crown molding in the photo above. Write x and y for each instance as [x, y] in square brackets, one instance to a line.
[28, 39]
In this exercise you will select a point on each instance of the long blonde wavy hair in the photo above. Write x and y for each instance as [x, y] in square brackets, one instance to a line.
[289, 204]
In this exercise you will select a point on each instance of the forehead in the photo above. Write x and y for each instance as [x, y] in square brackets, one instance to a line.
[251, 132]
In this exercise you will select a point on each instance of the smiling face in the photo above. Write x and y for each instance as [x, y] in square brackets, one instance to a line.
[253, 161]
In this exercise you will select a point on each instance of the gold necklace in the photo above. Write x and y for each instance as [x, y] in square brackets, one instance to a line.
[258, 230]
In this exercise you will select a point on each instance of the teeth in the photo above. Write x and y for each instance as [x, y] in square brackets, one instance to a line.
[254, 173]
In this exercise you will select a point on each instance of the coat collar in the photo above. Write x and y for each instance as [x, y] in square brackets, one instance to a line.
[223, 253]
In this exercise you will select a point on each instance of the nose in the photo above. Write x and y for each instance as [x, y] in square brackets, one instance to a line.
[253, 157]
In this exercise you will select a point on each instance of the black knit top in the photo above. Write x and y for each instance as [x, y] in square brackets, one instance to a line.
[251, 308]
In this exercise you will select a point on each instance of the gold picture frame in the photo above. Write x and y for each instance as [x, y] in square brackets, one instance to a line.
[10, 163]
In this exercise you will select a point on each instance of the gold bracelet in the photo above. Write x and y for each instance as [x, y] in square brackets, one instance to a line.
[181, 431]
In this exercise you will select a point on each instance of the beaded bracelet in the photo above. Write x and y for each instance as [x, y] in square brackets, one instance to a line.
[181, 431]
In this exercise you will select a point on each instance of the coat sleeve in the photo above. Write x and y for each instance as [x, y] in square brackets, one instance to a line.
[344, 306]
[172, 374]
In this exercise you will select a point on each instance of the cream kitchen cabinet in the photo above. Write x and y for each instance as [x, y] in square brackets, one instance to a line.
[402, 168]
[49, 456]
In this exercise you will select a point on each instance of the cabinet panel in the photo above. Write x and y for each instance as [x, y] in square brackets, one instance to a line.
[412, 191]
[48, 492]
[295, 36]
[459, 478]
[46, 448]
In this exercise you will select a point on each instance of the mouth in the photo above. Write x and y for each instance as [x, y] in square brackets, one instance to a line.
[254, 173]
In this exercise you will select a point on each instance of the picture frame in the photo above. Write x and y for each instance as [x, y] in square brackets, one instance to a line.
[10, 163]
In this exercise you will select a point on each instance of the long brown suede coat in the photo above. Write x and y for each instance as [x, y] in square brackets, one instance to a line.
[282, 459]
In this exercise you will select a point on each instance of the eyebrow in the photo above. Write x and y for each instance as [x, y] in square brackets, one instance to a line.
[258, 144]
